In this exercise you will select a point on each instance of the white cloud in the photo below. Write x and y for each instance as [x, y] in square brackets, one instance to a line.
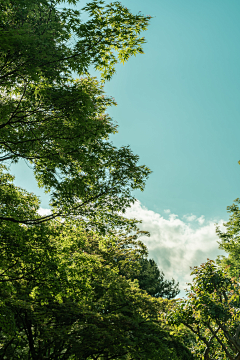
[167, 211]
[201, 220]
[176, 245]
[190, 217]
[44, 212]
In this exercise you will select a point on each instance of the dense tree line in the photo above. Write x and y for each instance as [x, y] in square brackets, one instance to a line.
[211, 310]
[78, 284]
[75, 284]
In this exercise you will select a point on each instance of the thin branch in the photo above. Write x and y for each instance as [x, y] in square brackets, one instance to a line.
[220, 341]
[14, 112]
[52, 216]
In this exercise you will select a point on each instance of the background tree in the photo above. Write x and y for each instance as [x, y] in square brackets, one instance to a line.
[152, 280]
[211, 312]
[229, 241]
[62, 295]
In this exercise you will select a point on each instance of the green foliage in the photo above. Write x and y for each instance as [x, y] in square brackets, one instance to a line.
[152, 280]
[59, 124]
[65, 279]
[36, 39]
[229, 241]
[211, 312]
[63, 297]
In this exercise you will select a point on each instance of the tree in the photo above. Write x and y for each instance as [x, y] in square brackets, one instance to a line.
[36, 39]
[152, 280]
[211, 312]
[23, 248]
[59, 124]
[229, 241]
[62, 295]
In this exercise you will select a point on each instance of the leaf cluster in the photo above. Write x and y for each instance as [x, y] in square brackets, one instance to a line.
[64, 295]
[59, 124]
[152, 280]
[211, 312]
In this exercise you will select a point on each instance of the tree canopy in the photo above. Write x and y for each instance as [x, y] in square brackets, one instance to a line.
[229, 241]
[67, 288]
[211, 313]
[152, 280]
[59, 123]
[63, 295]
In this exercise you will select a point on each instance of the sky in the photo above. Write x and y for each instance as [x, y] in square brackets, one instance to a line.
[178, 109]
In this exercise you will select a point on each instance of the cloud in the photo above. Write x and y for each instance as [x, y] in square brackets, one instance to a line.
[189, 217]
[44, 212]
[201, 220]
[175, 244]
[167, 211]
[192, 217]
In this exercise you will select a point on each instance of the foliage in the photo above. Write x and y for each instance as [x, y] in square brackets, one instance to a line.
[62, 295]
[23, 248]
[36, 39]
[65, 279]
[211, 312]
[59, 124]
[229, 241]
[152, 280]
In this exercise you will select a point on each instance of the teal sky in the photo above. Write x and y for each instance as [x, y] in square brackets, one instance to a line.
[179, 105]
[179, 108]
